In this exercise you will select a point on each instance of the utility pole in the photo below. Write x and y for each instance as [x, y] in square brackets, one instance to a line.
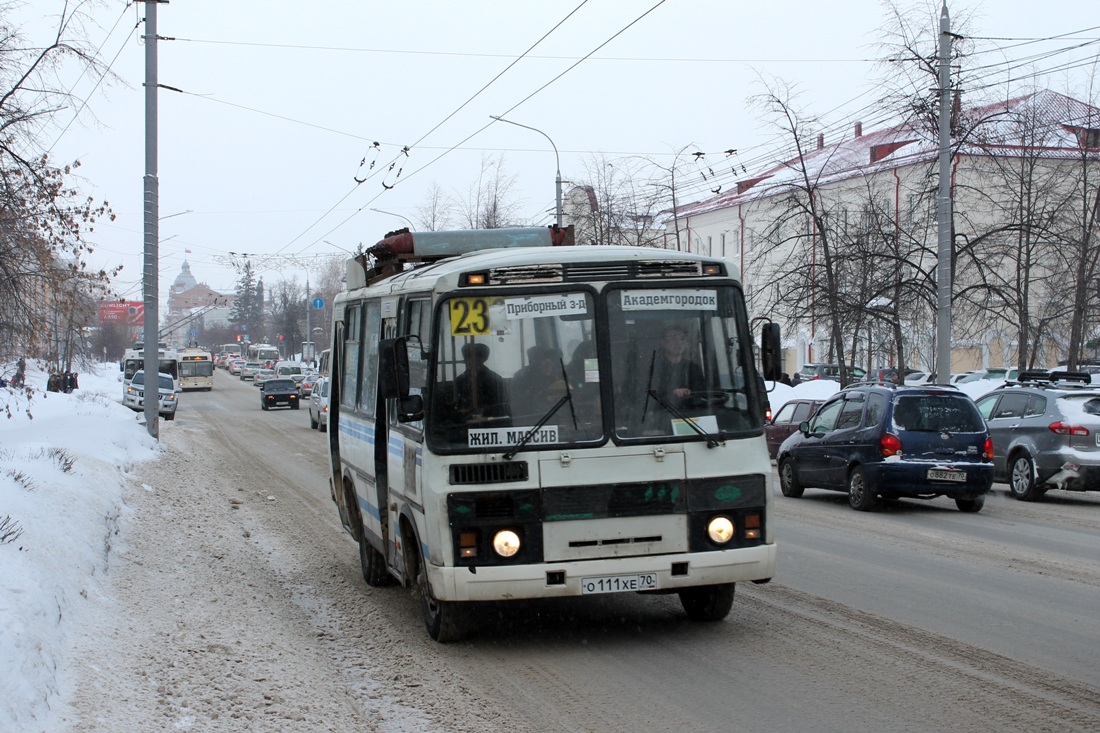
[151, 272]
[943, 207]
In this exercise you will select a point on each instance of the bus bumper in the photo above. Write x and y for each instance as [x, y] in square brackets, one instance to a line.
[558, 580]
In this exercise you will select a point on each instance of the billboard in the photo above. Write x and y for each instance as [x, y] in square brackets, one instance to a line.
[129, 313]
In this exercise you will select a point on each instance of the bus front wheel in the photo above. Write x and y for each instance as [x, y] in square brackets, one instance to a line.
[443, 618]
[708, 602]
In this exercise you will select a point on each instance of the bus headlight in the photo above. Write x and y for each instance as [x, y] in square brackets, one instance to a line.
[720, 530]
[506, 543]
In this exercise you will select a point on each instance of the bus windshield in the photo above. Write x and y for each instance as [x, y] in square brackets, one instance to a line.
[678, 364]
[508, 362]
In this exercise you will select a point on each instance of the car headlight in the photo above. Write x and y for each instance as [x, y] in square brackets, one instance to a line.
[720, 530]
[506, 543]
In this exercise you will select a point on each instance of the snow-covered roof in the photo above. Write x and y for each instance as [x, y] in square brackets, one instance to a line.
[1061, 125]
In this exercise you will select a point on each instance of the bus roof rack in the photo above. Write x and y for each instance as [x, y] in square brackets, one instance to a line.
[398, 248]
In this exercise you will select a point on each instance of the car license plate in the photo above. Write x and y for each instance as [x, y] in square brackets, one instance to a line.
[938, 474]
[619, 583]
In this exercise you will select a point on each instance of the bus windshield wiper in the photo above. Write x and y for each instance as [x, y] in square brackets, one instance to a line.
[712, 440]
[567, 397]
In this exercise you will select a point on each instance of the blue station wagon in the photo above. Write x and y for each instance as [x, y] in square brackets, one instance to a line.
[877, 440]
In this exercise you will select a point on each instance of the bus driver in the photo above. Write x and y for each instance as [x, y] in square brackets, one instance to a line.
[480, 391]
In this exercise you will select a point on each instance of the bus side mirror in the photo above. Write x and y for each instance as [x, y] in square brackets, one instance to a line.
[410, 408]
[393, 364]
[771, 354]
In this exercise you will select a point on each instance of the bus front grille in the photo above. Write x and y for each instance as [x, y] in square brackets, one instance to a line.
[463, 474]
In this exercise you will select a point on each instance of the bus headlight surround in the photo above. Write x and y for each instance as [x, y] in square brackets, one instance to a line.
[720, 530]
[506, 543]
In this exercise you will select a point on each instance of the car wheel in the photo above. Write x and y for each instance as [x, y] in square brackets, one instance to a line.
[294, 406]
[707, 603]
[170, 416]
[1021, 478]
[788, 480]
[444, 619]
[263, 405]
[312, 421]
[860, 496]
[970, 505]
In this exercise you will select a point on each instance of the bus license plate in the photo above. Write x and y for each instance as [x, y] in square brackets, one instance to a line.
[618, 583]
[935, 474]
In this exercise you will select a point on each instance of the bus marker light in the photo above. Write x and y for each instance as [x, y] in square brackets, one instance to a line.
[467, 544]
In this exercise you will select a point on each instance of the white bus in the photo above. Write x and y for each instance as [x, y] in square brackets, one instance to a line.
[233, 347]
[134, 359]
[517, 422]
[196, 369]
[263, 353]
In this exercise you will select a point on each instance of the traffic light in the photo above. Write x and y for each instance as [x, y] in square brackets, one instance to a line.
[238, 337]
[280, 337]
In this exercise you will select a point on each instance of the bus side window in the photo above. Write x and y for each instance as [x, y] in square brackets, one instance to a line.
[349, 395]
[371, 335]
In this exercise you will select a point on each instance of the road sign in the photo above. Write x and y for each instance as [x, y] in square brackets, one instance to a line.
[318, 303]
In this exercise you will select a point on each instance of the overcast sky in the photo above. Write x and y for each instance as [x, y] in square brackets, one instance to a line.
[281, 103]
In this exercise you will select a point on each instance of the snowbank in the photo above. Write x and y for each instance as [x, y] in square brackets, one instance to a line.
[63, 459]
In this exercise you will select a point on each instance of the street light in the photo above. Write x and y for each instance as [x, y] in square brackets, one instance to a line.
[557, 161]
[399, 216]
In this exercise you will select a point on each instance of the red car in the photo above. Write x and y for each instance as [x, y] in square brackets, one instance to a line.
[786, 421]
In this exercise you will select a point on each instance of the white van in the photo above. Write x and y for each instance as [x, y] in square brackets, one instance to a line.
[290, 370]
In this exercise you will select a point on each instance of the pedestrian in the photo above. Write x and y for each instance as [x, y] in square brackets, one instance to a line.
[784, 379]
[67, 382]
[54, 384]
[796, 380]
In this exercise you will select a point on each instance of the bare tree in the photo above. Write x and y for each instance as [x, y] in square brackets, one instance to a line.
[288, 309]
[490, 202]
[44, 220]
[615, 204]
[436, 212]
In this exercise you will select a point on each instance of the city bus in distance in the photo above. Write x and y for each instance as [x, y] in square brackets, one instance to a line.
[233, 347]
[134, 359]
[263, 353]
[520, 418]
[196, 369]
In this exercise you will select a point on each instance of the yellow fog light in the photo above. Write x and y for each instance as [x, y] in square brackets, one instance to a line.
[720, 530]
[506, 543]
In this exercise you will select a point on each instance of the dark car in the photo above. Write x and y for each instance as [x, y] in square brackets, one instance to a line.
[787, 420]
[830, 371]
[876, 441]
[1046, 433]
[279, 392]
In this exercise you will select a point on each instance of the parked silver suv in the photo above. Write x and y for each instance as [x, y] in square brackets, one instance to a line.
[1046, 433]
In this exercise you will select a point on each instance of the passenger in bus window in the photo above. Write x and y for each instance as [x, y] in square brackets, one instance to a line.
[480, 391]
[582, 355]
[675, 375]
[539, 384]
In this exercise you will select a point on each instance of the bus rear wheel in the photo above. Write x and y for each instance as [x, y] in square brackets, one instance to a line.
[444, 619]
[374, 565]
[708, 602]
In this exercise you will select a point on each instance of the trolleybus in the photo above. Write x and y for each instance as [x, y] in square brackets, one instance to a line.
[196, 369]
[515, 421]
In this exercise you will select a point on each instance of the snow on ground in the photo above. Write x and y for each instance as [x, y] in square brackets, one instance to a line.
[64, 459]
